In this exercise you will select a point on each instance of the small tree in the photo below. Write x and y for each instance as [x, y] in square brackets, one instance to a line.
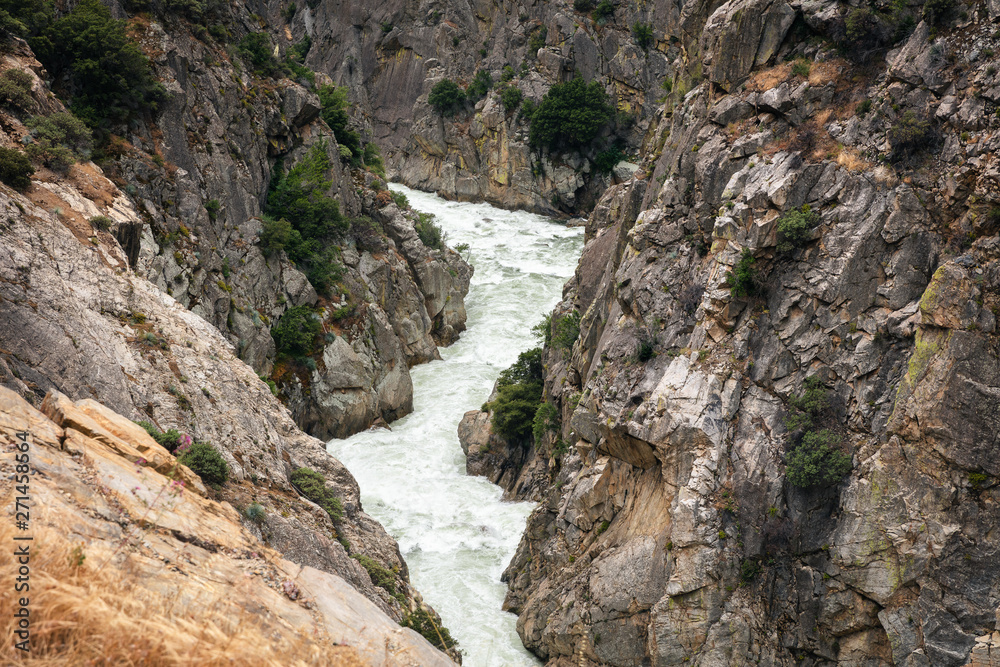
[296, 331]
[743, 279]
[817, 461]
[206, 461]
[446, 97]
[570, 115]
[642, 33]
[511, 97]
[59, 140]
[795, 227]
[15, 168]
[480, 85]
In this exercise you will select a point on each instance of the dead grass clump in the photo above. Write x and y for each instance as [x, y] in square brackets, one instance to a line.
[770, 78]
[82, 615]
[824, 72]
[850, 160]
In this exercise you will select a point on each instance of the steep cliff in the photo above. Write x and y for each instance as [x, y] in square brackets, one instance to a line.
[804, 272]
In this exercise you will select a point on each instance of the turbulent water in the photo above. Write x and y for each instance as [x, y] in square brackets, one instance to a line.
[454, 531]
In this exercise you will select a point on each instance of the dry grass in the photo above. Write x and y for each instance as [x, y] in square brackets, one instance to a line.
[850, 160]
[770, 78]
[824, 72]
[82, 615]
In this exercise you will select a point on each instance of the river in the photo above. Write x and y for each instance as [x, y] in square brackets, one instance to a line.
[456, 534]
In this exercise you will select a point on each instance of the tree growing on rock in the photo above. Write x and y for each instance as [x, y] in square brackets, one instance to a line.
[446, 97]
[570, 115]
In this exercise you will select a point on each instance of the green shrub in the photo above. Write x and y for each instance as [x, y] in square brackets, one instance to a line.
[296, 330]
[743, 278]
[257, 51]
[510, 97]
[428, 231]
[507, 73]
[212, 206]
[380, 575]
[565, 330]
[438, 635]
[15, 168]
[606, 161]
[101, 222]
[802, 67]
[255, 512]
[537, 40]
[936, 11]
[570, 115]
[864, 106]
[863, 30]
[373, 158]
[546, 419]
[274, 234]
[642, 33]
[313, 486]
[106, 75]
[335, 105]
[15, 89]
[646, 349]
[59, 140]
[605, 10]
[170, 439]
[583, 5]
[528, 108]
[400, 200]
[519, 392]
[816, 461]
[206, 462]
[446, 97]
[795, 227]
[909, 135]
[480, 85]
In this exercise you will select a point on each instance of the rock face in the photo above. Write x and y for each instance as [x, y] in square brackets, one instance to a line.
[671, 532]
[78, 321]
[391, 55]
[105, 496]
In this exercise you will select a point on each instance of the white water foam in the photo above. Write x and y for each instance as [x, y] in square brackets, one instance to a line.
[455, 533]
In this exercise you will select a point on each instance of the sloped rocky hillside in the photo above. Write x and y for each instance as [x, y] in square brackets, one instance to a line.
[805, 271]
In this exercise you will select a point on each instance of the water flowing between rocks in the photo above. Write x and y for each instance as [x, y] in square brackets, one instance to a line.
[454, 531]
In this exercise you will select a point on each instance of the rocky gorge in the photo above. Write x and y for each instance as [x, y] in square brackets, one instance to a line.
[772, 385]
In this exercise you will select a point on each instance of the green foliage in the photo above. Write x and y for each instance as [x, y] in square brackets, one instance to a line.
[380, 575]
[795, 227]
[255, 512]
[546, 419]
[565, 330]
[15, 168]
[274, 235]
[749, 569]
[507, 73]
[642, 33]
[936, 11]
[373, 158]
[605, 10]
[206, 462]
[15, 89]
[802, 67]
[570, 115]
[400, 200]
[583, 5]
[543, 330]
[296, 331]
[438, 635]
[537, 40]
[300, 49]
[105, 74]
[909, 135]
[528, 108]
[646, 349]
[212, 206]
[101, 222]
[446, 97]
[808, 406]
[817, 461]
[608, 159]
[258, 53]
[480, 85]
[519, 391]
[313, 486]
[58, 140]
[510, 97]
[335, 107]
[743, 278]
[428, 231]
[169, 439]
[864, 106]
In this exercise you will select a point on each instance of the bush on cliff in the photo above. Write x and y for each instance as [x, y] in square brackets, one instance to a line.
[313, 486]
[296, 331]
[59, 140]
[90, 55]
[795, 228]
[519, 392]
[438, 635]
[335, 107]
[205, 460]
[570, 115]
[446, 97]
[15, 168]
[814, 458]
[480, 85]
